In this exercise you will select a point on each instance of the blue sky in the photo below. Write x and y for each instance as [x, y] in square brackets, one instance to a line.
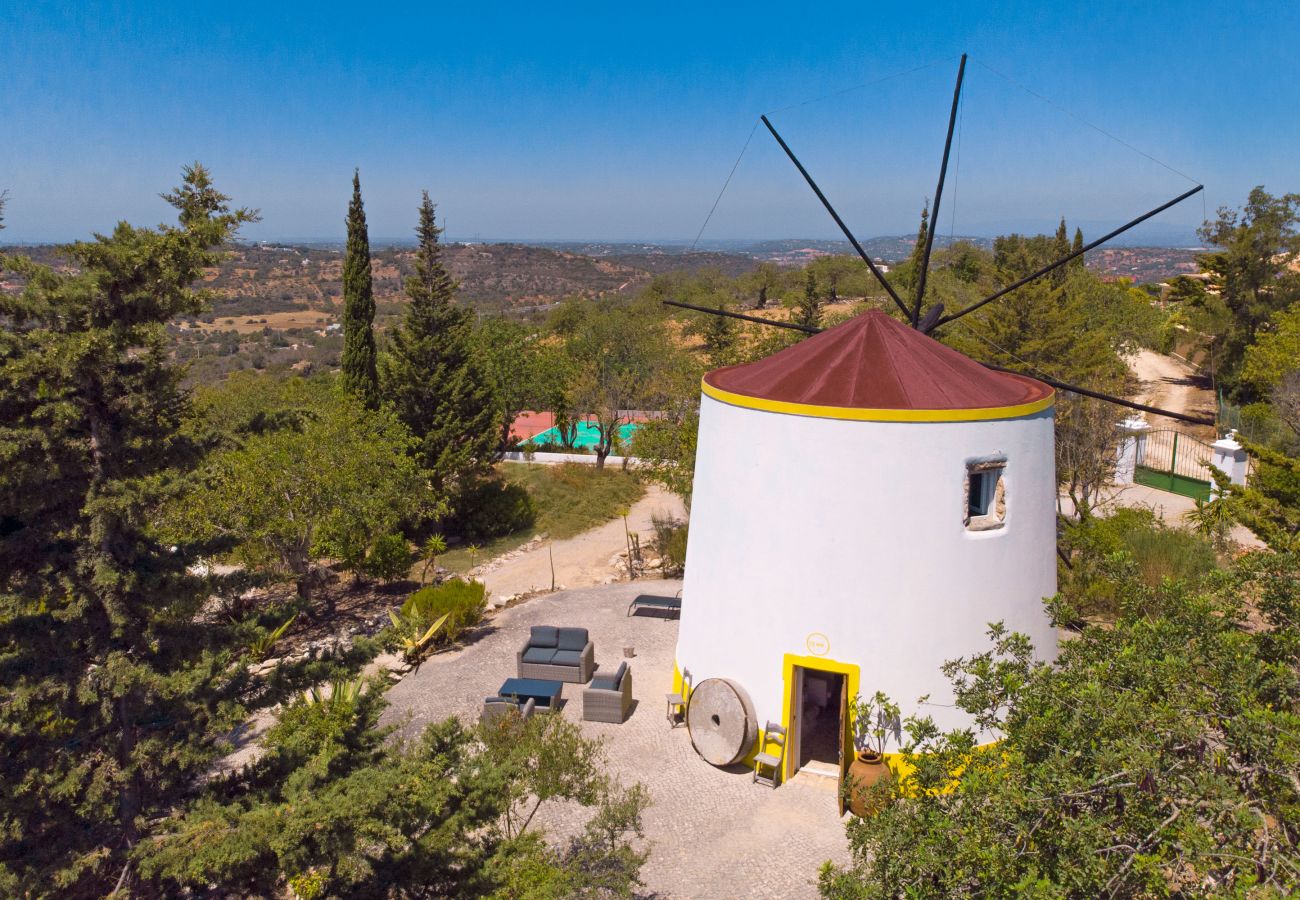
[617, 122]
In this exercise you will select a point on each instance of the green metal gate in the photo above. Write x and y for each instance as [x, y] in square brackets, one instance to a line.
[1172, 461]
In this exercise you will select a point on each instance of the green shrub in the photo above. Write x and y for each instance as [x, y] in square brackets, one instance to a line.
[389, 558]
[670, 543]
[1130, 544]
[463, 602]
[494, 507]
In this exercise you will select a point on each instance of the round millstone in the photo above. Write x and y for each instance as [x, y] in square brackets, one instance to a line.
[721, 721]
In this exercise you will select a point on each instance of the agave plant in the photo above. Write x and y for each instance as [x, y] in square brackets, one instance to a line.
[340, 692]
[407, 629]
[260, 646]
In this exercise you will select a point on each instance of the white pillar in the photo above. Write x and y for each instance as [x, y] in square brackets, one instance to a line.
[1230, 456]
[1132, 447]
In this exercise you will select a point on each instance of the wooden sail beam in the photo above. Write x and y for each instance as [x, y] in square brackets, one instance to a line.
[952, 317]
[938, 197]
[880, 276]
[1059, 385]
[713, 311]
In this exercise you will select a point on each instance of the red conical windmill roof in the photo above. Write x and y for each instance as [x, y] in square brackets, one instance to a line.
[874, 367]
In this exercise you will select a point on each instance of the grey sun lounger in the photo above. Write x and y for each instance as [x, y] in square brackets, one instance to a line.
[651, 601]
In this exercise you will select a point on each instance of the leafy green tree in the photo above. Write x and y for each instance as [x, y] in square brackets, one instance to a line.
[1274, 355]
[360, 373]
[621, 352]
[332, 484]
[113, 692]
[432, 376]
[1157, 756]
[1251, 276]
[765, 280]
[839, 273]
[512, 355]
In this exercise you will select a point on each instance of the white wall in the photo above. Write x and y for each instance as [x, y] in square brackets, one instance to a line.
[555, 459]
[855, 530]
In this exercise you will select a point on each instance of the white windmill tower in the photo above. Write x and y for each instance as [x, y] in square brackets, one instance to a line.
[866, 502]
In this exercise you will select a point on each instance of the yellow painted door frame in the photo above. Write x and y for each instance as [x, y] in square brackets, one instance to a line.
[851, 673]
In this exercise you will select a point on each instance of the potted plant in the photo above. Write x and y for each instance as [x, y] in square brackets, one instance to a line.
[876, 722]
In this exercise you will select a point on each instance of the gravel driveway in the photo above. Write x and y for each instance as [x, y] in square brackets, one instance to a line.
[713, 833]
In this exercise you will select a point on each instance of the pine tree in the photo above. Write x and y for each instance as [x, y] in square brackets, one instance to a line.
[809, 309]
[720, 337]
[433, 377]
[1060, 248]
[113, 692]
[359, 372]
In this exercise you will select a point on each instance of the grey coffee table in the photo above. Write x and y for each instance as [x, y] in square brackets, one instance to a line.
[544, 693]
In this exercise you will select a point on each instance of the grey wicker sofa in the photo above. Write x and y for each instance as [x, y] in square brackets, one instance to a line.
[609, 697]
[557, 654]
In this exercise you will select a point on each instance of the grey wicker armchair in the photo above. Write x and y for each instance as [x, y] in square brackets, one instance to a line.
[609, 697]
[495, 708]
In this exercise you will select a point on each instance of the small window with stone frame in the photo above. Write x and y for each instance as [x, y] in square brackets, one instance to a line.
[985, 495]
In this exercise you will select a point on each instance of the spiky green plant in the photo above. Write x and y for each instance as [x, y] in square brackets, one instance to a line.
[407, 628]
[260, 647]
[435, 546]
[345, 693]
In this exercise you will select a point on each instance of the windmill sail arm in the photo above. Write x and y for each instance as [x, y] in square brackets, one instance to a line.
[1108, 398]
[713, 311]
[1034, 276]
[1059, 385]
[840, 222]
[938, 197]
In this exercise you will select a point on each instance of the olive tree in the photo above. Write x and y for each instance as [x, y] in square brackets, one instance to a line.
[332, 482]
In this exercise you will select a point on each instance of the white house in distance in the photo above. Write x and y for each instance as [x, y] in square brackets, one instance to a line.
[866, 502]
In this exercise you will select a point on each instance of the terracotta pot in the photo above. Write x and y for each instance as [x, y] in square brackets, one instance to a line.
[866, 770]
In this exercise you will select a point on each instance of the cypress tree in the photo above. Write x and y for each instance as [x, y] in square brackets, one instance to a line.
[433, 377]
[809, 309]
[1077, 262]
[1060, 248]
[918, 252]
[114, 691]
[359, 372]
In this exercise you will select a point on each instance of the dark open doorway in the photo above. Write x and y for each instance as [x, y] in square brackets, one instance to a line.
[820, 702]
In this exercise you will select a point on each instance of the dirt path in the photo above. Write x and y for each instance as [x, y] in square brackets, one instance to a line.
[582, 560]
[1172, 384]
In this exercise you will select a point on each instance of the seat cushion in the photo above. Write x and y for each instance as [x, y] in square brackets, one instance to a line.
[566, 658]
[618, 675]
[610, 681]
[538, 655]
[544, 636]
[572, 638]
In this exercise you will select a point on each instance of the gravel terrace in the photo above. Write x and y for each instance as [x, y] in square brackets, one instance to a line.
[713, 833]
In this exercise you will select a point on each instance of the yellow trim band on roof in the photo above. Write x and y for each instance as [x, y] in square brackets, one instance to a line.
[877, 415]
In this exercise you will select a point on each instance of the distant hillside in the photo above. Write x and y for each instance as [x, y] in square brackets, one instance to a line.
[265, 279]
[730, 264]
